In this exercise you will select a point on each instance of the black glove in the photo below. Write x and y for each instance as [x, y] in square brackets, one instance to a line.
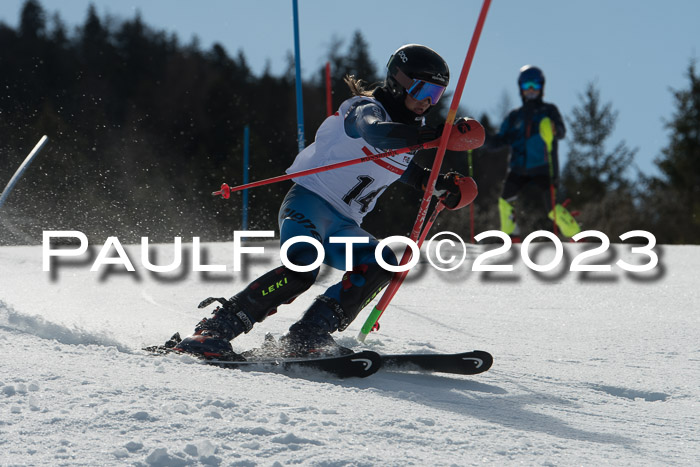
[428, 133]
[446, 185]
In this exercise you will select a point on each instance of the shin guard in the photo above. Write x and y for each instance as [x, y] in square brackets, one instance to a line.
[507, 216]
[277, 287]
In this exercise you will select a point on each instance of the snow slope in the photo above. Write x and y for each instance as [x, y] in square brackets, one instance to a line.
[590, 369]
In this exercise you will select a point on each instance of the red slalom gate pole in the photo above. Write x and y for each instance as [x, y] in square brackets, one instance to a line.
[399, 277]
[225, 191]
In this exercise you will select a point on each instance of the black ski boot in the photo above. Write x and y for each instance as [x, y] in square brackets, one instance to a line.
[311, 335]
[212, 336]
[239, 313]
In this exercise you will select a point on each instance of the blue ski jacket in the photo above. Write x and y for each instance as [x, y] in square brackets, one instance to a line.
[520, 130]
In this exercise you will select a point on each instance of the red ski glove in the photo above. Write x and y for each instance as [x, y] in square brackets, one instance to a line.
[460, 190]
[466, 134]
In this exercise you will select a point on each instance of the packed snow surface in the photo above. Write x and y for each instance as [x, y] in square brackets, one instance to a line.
[590, 368]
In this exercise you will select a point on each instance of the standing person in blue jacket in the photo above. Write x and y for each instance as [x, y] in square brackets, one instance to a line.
[532, 162]
[333, 204]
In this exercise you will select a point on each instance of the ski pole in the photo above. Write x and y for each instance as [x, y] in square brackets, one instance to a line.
[471, 205]
[397, 280]
[372, 322]
[548, 136]
[226, 190]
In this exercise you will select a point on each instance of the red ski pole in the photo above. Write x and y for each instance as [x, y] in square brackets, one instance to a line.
[422, 212]
[394, 285]
[226, 190]
[471, 206]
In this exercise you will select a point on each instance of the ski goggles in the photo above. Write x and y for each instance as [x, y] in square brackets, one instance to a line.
[531, 85]
[420, 89]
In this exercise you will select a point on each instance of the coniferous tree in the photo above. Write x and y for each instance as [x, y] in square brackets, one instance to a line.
[32, 25]
[142, 129]
[673, 200]
[596, 178]
[355, 62]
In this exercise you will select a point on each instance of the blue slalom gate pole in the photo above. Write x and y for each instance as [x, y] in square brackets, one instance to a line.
[23, 166]
[246, 168]
[297, 66]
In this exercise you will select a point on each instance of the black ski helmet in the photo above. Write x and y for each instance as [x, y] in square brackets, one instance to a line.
[530, 73]
[413, 61]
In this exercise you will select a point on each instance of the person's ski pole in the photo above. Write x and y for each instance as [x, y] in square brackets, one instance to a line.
[226, 190]
[471, 206]
[372, 322]
[398, 278]
[468, 191]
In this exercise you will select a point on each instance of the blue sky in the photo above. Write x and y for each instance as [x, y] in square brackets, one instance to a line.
[635, 51]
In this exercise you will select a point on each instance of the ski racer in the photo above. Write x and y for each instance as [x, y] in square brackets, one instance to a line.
[531, 161]
[333, 204]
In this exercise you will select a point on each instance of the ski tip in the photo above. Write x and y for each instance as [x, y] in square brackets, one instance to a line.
[463, 363]
[482, 360]
[364, 363]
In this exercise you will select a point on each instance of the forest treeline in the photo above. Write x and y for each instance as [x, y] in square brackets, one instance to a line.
[143, 128]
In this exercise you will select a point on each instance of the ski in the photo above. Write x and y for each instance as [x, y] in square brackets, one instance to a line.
[354, 365]
[465, 363]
